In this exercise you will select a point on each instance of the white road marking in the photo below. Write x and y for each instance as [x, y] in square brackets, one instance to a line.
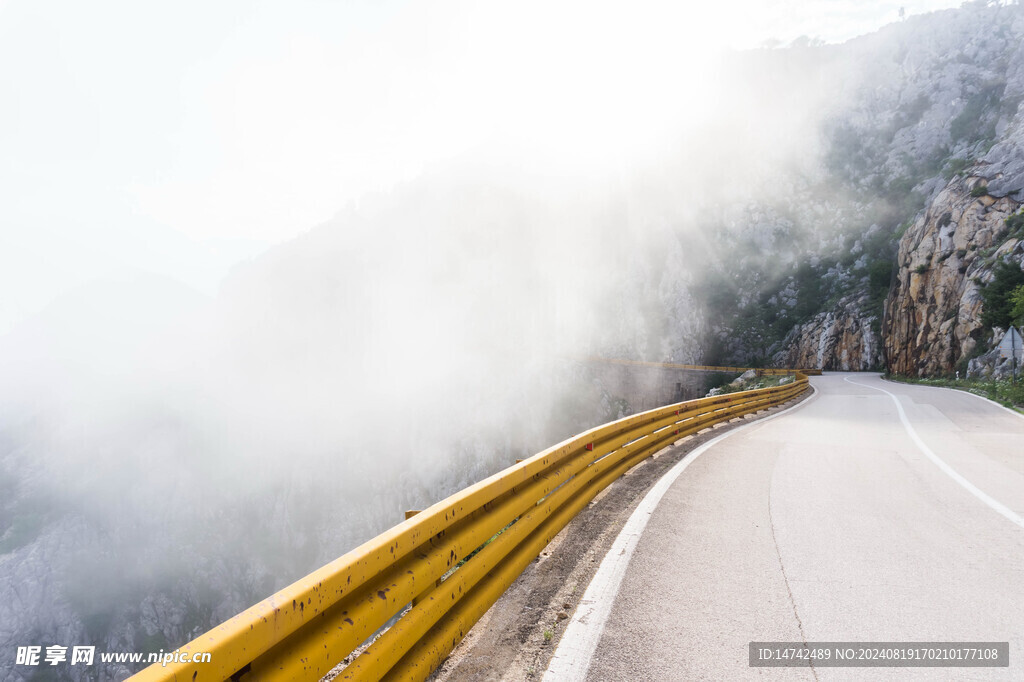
[571, 660]
[948, 470]
[1015, 413]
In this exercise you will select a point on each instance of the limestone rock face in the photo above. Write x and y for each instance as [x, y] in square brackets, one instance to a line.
[1003, 166]
[844, 338]
[933, 313]
[993, 365]
[921, 101]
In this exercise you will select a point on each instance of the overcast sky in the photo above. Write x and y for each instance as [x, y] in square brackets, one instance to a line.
[179, 137]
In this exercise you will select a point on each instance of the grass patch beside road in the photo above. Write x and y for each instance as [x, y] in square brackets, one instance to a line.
[1002, 391]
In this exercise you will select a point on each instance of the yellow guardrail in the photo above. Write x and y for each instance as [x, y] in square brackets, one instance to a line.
[441, 569]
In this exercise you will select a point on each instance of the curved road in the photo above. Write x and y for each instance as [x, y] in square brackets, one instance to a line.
[837, 521]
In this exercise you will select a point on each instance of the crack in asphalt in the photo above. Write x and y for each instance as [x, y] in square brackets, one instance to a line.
[785, 578]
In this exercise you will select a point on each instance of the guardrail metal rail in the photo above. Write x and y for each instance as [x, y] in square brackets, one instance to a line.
[418, 570]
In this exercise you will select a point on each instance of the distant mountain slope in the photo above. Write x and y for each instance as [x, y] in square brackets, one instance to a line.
[425, 338]
[920, 103]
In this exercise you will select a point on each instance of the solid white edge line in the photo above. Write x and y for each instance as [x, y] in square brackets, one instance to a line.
[958, 390]
[939, 462]
[571, 660]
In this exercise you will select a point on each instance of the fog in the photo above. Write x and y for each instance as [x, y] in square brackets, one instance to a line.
[171, 452]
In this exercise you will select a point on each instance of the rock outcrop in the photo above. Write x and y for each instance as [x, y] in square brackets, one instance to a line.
[921, 101]
[1003, 166]
[995, 364]
[844, 338]
[933, 313]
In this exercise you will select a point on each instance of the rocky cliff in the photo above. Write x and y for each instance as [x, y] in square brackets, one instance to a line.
[844, 338]
[933, 314]
[924, 122]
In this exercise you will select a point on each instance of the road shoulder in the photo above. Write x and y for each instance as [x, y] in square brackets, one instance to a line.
[517, 637]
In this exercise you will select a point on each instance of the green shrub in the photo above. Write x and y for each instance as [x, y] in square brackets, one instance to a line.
[972, 124]
[998, 308]
[879, 276]
[979, 191]
[955, 166]
[1003, 391]
[1016, 298]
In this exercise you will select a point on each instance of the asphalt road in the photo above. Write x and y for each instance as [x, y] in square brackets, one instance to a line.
[836, 521]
